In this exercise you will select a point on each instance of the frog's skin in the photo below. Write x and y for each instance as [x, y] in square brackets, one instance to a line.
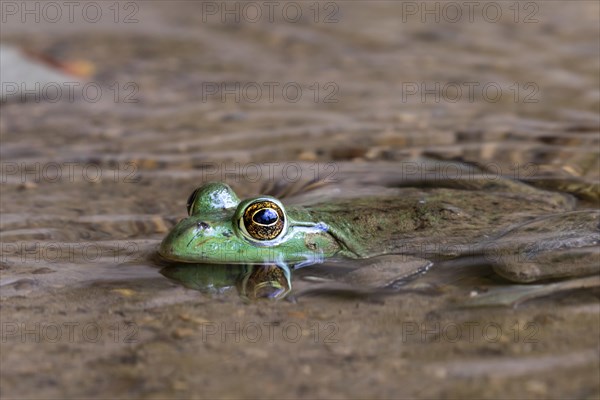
[458, 218]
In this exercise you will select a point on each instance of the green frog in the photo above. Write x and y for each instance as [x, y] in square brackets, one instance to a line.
[453, 218]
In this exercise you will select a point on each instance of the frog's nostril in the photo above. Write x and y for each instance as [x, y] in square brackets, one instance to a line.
[203, 225]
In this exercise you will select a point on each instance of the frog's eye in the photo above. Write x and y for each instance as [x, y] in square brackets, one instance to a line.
[211, 197]
[190, 201]
[263, 219]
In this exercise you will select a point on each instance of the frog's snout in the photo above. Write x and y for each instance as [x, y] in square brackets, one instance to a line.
[177, 242]
[205, 239]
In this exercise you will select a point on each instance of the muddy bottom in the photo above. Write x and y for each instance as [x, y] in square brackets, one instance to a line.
[361, 93]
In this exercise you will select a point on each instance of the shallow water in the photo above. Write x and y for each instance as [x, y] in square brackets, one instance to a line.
[89, 189]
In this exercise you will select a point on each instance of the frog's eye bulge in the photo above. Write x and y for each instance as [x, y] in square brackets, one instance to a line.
[214, 196]
[263, 220]
[190, 201]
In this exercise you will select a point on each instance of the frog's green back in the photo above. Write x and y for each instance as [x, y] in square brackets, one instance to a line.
[418, 219]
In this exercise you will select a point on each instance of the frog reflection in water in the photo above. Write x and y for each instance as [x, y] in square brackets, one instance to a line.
[485, 218]
[253, 282]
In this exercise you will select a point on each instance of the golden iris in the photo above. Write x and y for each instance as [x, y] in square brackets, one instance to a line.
[263, 220]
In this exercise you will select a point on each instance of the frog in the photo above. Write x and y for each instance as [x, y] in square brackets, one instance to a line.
[431, 222]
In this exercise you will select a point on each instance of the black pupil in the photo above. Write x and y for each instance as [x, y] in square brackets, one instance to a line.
[266, 216]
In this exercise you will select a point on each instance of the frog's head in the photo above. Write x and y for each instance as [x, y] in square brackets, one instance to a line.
[222, 229]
